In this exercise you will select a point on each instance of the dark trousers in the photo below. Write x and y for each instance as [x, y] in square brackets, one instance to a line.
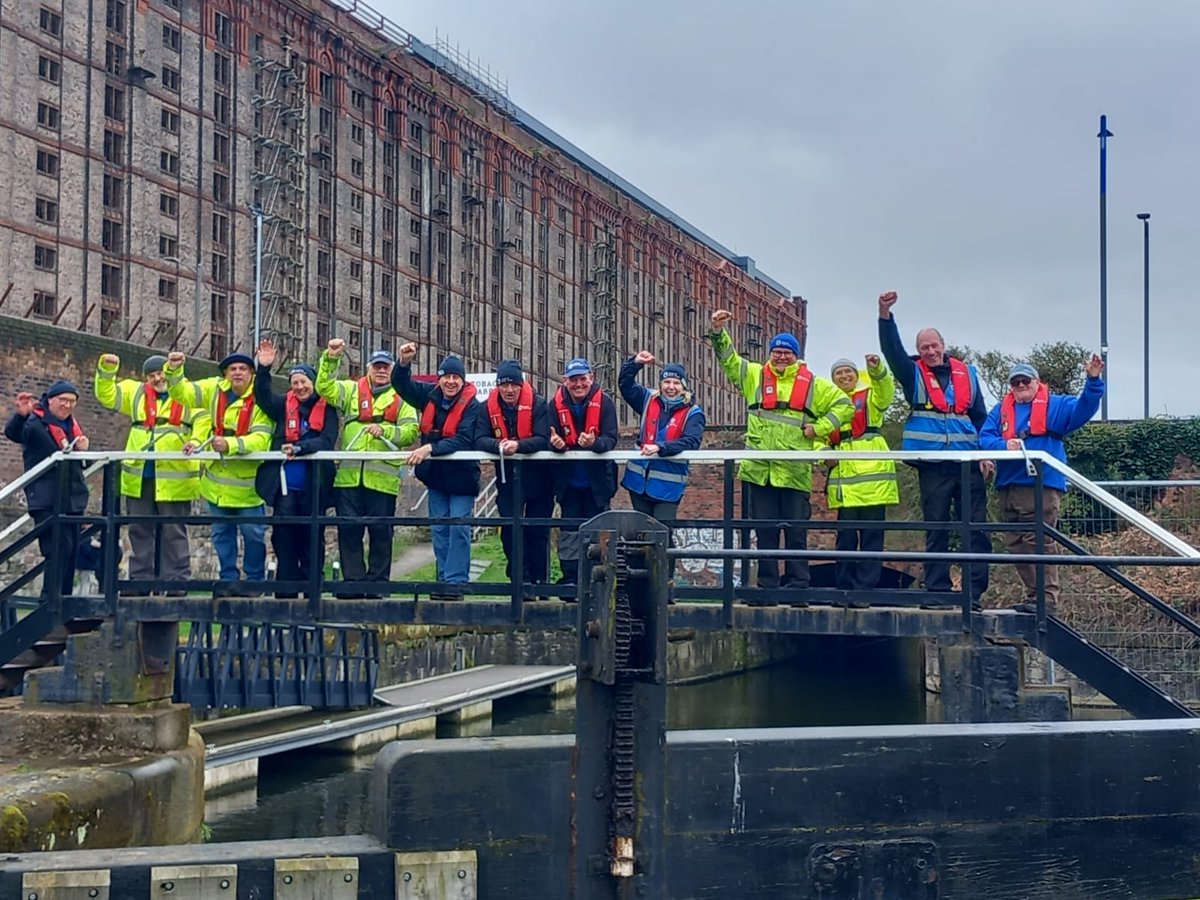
[860, 574]
[576, 503]
[785, 506]
[661, 510]
[293, 543]
[63, 553]
[160, 548]
[941, 501]
[535, 539]
[356, 503]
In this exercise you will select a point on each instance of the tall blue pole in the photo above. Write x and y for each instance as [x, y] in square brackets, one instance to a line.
[1104, 135]
[1145, 219]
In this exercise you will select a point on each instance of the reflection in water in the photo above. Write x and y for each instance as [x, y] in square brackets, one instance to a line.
[835, 682]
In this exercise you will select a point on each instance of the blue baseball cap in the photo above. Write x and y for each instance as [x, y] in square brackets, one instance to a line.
[577, 366]
[381, 356]
[1022, 369]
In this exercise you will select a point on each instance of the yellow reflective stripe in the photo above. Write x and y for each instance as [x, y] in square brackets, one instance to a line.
[160, 472]
[260, 429]
[241, 444]
[407, 420]
[656, 475]
[229, 480]
[727, 351]
[833, 420]
[941, 416]
[772, 416]
[864, 477]
[381, 467]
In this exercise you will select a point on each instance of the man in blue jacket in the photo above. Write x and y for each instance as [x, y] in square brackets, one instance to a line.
[671, 422]
[1031, 418]
[946, 411]
[449, 417]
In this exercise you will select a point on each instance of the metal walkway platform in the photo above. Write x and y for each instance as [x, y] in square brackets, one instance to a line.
[254, 736]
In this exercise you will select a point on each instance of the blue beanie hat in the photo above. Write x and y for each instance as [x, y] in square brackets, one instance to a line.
[235, 358]
[61, 387]
[509, 372]
[674, 370]
[452, 365]
[303, 369]
[785, 341]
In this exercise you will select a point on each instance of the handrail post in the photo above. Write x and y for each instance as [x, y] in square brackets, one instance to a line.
[1039, 544]
[745, 535]
[727, 565]
[52, 589]
[517, 566]
[316, 542]
[965, 538]
[110, 507]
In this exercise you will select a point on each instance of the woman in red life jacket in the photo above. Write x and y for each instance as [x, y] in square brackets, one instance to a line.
[304, 423]
[517, 420]
[671, 422]
[585, 419]
[449, 419]
[42, 429]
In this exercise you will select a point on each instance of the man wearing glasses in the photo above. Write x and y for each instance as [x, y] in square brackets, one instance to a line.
[946, 412]
[1031, 418]
[788, 408]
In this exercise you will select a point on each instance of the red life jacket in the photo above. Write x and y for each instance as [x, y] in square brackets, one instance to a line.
[291, 417]
[566, 422]
[56, 432]
[453, 418]
[366, 404]
[960, 380]
[1037, 414]
[858, 425]
[174, 414]
[801, 388]
[524, 414]
[243, 422]
[674, 425]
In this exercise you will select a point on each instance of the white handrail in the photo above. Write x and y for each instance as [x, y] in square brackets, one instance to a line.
[16, 525]
[1090, 488]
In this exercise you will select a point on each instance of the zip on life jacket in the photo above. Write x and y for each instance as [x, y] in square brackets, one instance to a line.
[453, 416]
[858, 424]
[366, 404]
[801, 389]
[57, 434]
[960, 381]
[524, 415]
[291, 417]
[566, 421]
[244, 415]
[174, 413]
[1039, 407]
[654, 409]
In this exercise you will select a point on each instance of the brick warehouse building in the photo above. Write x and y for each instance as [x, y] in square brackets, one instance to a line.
[405, 197]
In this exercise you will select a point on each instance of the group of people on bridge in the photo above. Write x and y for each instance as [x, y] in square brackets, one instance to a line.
[390, 410]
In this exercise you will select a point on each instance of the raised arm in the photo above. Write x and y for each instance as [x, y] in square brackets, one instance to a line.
[893, 347]
[627, 380]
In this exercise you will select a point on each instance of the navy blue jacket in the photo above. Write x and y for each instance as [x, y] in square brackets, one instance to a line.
[537, 478]
[637, 395]
[266, 481]
[602, 474]
[37, 444]
[459, 479]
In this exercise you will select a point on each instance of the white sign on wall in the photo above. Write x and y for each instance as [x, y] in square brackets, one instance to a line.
[484, 383]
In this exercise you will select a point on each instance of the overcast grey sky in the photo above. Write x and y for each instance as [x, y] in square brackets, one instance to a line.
[946, 150]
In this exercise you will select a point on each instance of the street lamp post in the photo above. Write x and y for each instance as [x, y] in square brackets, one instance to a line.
[256, 210]
[1145, 217]
[1104, 135]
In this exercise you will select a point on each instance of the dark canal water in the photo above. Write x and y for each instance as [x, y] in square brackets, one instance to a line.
[852, 682]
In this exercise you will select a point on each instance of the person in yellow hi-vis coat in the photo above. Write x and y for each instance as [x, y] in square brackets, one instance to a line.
[861, 490]
[375, 419]
[235, 427]
[789, 407]
[161, 488]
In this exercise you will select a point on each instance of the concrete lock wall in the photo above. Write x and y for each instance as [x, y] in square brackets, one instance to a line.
[958, 812]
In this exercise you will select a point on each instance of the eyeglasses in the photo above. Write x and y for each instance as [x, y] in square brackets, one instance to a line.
[1021, 381]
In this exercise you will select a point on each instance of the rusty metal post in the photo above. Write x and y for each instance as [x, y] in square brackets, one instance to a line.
[619, 771]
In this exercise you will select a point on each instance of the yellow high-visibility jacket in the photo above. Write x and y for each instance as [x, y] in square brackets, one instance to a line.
[865, 482]
[174, 480]
[781, 428]
[228, 482]
[376, 474]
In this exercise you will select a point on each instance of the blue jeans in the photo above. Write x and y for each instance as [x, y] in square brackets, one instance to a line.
[451, 543]
[254, 541]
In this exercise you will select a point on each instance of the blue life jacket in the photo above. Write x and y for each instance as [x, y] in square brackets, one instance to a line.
[659, 479]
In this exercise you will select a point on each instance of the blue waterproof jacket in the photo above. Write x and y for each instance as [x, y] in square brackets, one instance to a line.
[660, 479]
[1063, 415]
